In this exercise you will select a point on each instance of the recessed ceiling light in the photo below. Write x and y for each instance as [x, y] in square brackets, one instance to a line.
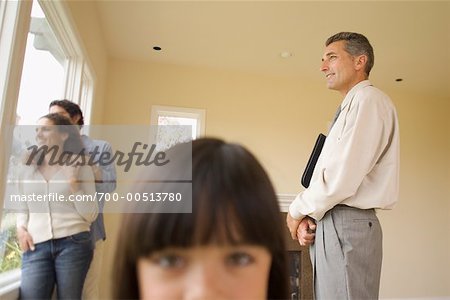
[285, 54]
[157, 48]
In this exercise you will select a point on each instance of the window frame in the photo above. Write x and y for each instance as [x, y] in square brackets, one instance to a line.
[80, 76]
[15, 17]
[14, 25]
[79, 83]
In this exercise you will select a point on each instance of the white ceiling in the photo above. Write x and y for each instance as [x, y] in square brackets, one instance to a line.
[411, 39]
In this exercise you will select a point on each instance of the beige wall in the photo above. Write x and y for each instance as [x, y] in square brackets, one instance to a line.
[278, 119]
[275, 117]
[416, 233]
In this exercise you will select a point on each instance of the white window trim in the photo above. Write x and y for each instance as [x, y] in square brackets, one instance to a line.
[10, 284]
[87, 95]
[14, 26]
[181, 112]
[13, 40]
[79, 71]
[15, 17]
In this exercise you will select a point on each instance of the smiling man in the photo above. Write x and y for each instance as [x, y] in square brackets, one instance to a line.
[357, 172]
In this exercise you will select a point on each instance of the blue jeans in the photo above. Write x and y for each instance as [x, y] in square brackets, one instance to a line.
[63, 262]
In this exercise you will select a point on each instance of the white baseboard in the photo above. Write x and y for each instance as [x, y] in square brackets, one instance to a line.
[284, 200]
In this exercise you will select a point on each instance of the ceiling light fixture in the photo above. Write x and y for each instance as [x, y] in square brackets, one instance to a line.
[399, 79]
[285, 54]
[157, 48]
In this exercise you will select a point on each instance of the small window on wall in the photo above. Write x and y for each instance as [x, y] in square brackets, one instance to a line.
[185, 124]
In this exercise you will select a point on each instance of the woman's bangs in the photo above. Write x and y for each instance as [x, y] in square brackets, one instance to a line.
[216, 222]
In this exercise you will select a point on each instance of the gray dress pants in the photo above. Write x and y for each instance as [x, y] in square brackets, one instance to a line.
[347, 254]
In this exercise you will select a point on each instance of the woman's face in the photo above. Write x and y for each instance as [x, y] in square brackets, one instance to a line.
[205, 272]
[47, 134]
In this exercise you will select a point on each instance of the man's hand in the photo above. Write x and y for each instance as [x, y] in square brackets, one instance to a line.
[71, 172]
[98, 176]
[292, 224]
[25, 240]
[306, 232]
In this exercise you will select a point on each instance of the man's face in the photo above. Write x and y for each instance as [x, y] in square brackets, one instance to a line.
[339, 67]
[55, 109]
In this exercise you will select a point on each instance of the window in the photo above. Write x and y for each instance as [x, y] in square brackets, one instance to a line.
[43, 70]
[41, 59]
[177, 124]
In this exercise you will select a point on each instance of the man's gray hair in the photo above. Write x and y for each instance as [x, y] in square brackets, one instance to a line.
[356, 44]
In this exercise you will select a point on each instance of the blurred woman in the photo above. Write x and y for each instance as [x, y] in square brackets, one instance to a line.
[230, 247]
[53, 232]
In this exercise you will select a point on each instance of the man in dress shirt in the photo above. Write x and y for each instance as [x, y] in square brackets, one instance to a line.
[105, 182]
[357, 172]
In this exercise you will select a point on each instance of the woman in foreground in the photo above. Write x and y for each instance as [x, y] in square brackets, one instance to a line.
[230, 247]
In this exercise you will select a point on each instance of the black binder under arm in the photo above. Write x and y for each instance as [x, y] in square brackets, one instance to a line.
[307, 174]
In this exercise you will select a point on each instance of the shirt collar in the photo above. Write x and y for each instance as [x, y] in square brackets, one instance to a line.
[360, 85]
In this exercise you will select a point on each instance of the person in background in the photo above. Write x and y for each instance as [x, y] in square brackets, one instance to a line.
[54, 235]
[230, 247]
[356, 173]
[105, 182]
